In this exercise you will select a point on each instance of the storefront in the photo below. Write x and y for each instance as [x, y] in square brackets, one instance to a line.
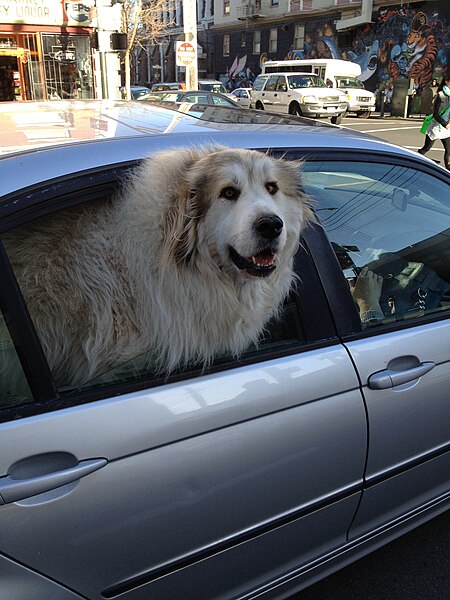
[45, 49]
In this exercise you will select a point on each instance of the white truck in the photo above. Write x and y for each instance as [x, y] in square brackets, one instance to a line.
[303, 94]
[338, 74]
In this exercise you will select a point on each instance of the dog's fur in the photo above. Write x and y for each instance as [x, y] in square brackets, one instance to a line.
[151, 271]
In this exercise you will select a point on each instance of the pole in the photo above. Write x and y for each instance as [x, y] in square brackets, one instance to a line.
[190, 35]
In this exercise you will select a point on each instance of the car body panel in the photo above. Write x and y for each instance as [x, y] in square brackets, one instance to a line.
[177, 452]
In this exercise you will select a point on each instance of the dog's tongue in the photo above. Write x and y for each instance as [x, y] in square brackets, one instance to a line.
[263, 260]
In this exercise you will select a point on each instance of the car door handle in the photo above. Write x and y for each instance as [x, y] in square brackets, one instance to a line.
[390, 378]
[12, 490]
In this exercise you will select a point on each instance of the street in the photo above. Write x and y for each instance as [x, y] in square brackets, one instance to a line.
[403, 132]
[416, 566]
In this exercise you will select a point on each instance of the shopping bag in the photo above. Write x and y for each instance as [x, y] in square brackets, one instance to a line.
[426, 123]
[436, 131]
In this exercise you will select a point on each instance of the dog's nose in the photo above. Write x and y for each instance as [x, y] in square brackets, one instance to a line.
[269, 226]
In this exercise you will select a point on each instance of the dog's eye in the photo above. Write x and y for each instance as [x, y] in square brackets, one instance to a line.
[230, 193]
[272, 187]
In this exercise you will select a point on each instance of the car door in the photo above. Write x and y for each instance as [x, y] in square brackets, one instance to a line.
[267, 94]
[136, 485]
[389, 223]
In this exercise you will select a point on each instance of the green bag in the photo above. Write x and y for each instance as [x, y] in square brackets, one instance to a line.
[426, 123]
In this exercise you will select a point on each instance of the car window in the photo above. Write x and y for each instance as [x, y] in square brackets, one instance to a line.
[259, 83]
[305, 81]
[390, 228]
[221, 101]
[281, 84]
[196, 98]
[271, 83]
[14, 388]
[283, 334]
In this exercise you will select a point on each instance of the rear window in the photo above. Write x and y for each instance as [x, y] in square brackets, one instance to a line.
[213, 87]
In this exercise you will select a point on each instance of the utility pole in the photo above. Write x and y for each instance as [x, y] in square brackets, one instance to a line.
[190, 36]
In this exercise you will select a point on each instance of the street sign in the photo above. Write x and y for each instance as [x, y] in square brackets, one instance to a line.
[186, 54]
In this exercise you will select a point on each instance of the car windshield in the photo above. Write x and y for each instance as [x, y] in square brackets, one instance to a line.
[349, 82]
[305, 81]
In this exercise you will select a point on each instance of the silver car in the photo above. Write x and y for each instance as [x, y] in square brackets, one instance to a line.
[261, 475]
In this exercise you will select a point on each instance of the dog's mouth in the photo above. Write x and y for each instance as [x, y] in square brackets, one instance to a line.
[259, 265]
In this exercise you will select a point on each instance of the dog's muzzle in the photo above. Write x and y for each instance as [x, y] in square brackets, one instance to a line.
[261, 264]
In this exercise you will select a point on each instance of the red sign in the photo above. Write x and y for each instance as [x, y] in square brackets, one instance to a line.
[186, 54]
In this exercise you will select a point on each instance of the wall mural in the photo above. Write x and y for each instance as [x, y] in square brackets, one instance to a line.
[400, 43]
[238, 75]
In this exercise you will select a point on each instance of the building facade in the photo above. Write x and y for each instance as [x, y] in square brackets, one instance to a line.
[53, 49]
[390, 41]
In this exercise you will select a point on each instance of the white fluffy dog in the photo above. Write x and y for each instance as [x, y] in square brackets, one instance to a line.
[190, 260]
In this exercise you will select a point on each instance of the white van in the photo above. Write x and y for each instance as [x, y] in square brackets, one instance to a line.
[340, 74]
[303, 94]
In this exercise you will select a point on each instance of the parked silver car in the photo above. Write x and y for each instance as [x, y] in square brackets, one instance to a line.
[261, 474]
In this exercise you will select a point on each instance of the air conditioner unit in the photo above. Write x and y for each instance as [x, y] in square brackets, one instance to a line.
[249, 10]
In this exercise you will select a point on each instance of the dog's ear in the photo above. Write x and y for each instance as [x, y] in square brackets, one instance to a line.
[187, 207]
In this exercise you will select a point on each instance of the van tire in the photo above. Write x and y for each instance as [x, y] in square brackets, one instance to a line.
[259, 105]
[294, 109]
[365, 114]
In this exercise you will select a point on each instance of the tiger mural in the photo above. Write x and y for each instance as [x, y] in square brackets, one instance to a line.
[422, 50]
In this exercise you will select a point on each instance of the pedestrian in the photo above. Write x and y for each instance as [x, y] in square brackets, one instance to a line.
[434, 88]
[441, 116]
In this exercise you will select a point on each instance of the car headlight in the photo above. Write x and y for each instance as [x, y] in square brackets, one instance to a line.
[309, 100]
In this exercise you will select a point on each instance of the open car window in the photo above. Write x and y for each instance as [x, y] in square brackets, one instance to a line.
[390, 228]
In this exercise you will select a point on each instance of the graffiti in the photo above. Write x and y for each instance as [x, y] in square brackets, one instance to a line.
[401, 42]
[238, 75]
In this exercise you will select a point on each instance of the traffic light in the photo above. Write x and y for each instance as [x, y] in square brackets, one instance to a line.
[119, 41]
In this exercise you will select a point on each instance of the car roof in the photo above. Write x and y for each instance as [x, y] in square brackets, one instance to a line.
[43, 141]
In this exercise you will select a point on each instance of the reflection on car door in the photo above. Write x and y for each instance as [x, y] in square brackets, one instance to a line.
[249, 471]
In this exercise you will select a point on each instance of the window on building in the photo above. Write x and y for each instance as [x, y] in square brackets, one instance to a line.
[226, 7]
[243, 39]
[274, 2]
[299, 38]
[226, 45]
[273, 40]
[256, 42]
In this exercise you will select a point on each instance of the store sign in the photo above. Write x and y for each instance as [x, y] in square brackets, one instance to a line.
[80, 12]
[185, 54]
[63, 55]
[48, 12]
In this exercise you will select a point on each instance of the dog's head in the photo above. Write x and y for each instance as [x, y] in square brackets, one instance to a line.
[242, 208]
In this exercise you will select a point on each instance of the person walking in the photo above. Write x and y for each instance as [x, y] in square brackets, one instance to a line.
[441, 116]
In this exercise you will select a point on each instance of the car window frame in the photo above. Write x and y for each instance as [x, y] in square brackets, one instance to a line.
[43, 199]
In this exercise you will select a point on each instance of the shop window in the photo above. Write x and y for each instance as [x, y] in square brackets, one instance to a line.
[226, 45]
[256, 42]
[273, 40]
[299, 38]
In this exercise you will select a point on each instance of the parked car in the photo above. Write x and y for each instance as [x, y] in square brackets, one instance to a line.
[304, 94]
[167, 87]
[192, 97]
[260, 474]
[242, 96]
[136, 91]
